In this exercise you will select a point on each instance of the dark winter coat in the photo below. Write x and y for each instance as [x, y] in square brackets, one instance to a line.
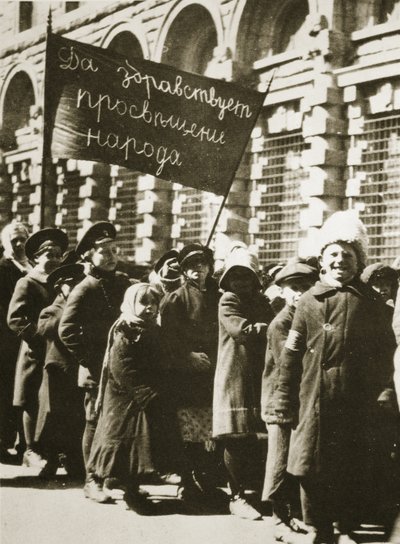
[136, 429]
[92, 307]
[9, 341]
[336, 362]
[276, 338]
[60, 413]
[30, 296]
[189, 323]
[241, 354]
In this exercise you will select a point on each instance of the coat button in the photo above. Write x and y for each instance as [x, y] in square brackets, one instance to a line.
[327, 327]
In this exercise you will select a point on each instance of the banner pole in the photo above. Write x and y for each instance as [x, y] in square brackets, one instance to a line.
[237, 167]
[46, 144]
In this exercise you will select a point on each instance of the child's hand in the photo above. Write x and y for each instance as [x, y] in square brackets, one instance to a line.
[199, 361]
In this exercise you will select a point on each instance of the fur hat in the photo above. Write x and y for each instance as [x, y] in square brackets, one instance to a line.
[345, 226]
[240, 258]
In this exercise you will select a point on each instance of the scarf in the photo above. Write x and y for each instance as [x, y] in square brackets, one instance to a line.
[137, 326]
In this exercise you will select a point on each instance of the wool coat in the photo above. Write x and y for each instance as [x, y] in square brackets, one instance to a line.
[336, 362]
[30, 296]
[137, 433]
[60, 416]
[241, 353]
[189, 323]
[276, 338]
[92, 307]
[10, 343]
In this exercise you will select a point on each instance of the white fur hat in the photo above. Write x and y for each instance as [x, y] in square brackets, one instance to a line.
[345, 226]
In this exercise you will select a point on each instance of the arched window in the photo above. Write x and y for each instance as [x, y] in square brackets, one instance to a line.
[126, 44]
[290, 29]
[16, 109]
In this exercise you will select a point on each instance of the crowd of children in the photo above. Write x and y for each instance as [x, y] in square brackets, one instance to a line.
[282, 382]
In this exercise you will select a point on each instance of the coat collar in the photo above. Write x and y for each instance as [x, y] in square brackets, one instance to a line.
[321, 289]
[41, 277]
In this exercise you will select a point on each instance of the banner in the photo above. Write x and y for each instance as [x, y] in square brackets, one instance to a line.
[146, 116]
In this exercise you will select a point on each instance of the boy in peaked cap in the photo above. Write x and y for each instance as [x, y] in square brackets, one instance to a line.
[91, 309]
[335, 365]
[60, 419]
[44, 249]
[167, 272]
[280, 488]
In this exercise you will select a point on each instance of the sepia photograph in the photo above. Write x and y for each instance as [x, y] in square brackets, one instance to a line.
[199, 272]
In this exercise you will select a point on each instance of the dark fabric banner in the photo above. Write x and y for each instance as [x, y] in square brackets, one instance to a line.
[146, 116]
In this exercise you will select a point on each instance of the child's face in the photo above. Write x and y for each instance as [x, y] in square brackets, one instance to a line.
[340, 262]
[293, 289]
[241, 281]
[105, 256]
[197, 269]
[383, 286]
[49, 259]
[146, 307]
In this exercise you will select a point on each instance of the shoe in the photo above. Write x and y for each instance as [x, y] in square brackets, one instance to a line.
[94, 491]
[135, 500]
[33, 459]
[49, 471]
[319, 536]
[238, 506]
[170, 479]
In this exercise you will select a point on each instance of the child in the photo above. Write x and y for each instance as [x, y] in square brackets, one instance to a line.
[279, 488]
[135, 435]
[91, 309]
[44, 248]
[383, 279]
[60, 420]
[244, 315]
[336, 362]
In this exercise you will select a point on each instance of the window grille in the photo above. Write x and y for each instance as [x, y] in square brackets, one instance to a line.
[124, 202]
[277, 213]
[193, 216]
[68, 203]
[378, 174]
[22, 189]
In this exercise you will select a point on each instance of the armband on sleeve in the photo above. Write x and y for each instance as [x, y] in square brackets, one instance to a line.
[293, 341]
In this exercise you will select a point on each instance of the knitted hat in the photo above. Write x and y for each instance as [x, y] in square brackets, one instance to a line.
[378, 270]
[168, 270]
[345, 227]
[240, 258]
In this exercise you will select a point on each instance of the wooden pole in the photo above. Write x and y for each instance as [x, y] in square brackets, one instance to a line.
[236, 169]
[46, 146]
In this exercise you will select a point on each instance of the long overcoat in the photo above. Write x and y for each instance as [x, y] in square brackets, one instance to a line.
[276, 338]
[137, 433]
[241, 353]
[189, 323]
[336, 362]
[30, 296]
[60, 414]
[92, 307]
[10, 343]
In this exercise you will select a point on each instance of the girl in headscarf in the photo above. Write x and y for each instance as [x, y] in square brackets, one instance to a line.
[135, 433]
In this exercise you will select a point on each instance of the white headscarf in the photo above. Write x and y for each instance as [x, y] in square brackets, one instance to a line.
[132, 295]
[9, 232]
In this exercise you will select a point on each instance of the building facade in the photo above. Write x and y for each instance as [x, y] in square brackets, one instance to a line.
[328, 137]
